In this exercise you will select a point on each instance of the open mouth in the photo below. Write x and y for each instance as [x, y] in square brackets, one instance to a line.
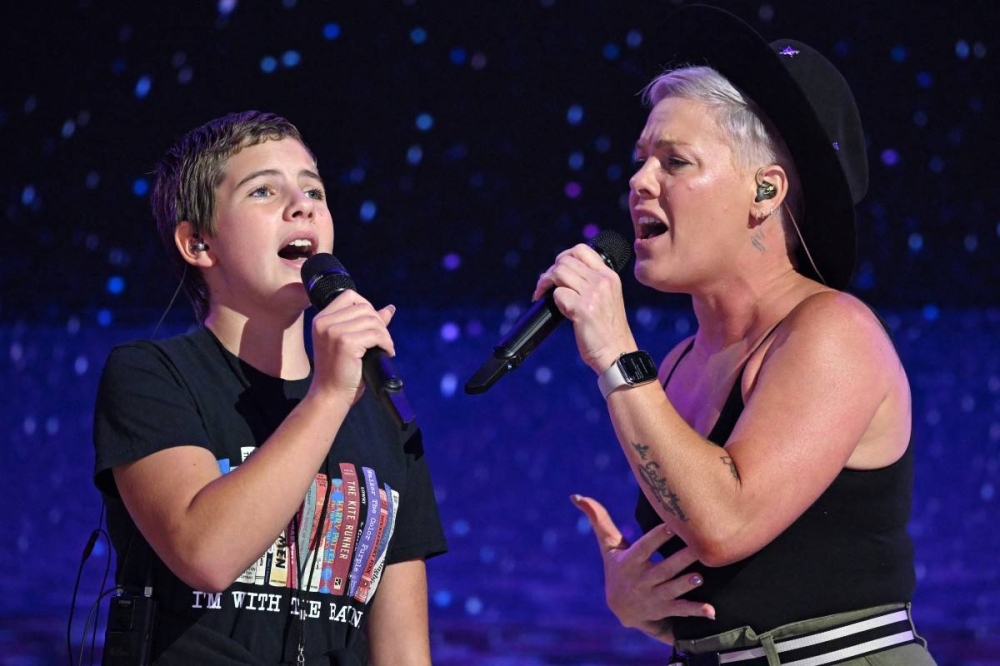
[299, 249]
[650, 227]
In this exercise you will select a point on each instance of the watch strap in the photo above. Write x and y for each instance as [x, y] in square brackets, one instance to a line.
[614, 377]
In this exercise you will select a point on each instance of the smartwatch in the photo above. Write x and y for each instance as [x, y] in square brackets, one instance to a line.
[630, 369]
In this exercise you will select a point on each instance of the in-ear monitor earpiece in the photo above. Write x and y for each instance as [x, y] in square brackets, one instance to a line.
[765, 190]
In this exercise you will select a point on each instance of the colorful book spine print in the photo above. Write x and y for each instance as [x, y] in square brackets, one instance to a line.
[310, 576]
[263, 564]
[332, 533]
[306, 513]
[384, 543]
[367, 540]
[250, 575]
[277, 575]
[293, 553]
[386, 538]
[348, 530]
[361, 594]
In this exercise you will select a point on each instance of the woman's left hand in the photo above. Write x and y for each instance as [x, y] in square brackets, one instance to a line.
[643, 594]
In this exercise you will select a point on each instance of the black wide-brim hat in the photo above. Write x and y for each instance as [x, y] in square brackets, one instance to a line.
[810, 104]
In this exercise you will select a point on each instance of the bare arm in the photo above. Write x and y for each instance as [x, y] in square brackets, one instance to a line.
[811, 407]
[194, 517]
[398, 626]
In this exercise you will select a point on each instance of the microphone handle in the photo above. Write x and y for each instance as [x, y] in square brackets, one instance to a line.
[381, 377]
[529, 331]
[522, 339]
[540, 320]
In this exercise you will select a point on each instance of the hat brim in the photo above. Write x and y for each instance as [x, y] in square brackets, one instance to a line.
[702, 35]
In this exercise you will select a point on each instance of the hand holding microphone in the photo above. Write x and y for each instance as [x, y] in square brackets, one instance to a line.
[542, 318]
[325, 278]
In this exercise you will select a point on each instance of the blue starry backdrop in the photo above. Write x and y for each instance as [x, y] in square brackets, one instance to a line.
[464, 145]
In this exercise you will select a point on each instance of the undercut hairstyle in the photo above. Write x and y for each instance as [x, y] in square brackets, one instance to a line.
[189, 174]
[755, 141]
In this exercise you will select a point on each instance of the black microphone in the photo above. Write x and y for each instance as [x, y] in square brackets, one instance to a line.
[541, 319]
[324, 278]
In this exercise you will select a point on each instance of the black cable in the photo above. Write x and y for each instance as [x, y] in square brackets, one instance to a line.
[95, 607]
[317, 539]
[87, 550]
[104, 581]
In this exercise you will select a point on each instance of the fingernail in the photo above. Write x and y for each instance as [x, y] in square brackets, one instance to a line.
[711, 614]
[392, 308]
[575, 499]
[696, 580]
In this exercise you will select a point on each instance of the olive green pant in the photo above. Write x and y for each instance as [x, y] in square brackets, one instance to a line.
[910, 654]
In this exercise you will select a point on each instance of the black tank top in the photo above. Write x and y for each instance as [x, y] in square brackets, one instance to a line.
[849, 550]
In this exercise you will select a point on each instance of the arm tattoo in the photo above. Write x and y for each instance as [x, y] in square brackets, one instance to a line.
[726, 460]
[650, 472]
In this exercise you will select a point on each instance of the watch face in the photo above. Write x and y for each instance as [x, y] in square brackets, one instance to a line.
[637, 367]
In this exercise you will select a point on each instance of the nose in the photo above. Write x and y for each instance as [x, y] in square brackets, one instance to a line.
[643, 182]
[301, 206]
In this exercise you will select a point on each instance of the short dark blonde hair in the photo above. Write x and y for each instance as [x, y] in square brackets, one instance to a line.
[190, 172]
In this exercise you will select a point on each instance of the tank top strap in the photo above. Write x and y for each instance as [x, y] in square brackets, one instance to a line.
[690, 346]
[733, 406]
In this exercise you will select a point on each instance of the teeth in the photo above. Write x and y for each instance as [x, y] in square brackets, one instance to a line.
[650, 226]
[298, 249]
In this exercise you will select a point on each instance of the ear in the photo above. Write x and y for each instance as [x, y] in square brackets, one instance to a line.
[770, 187]
[186, 240]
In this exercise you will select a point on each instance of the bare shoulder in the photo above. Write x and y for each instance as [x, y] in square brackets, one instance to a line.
[831, 306]
[832, 353]
[835, 320]
[830, 332]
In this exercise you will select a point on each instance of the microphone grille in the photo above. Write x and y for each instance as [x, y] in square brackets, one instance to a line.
[613, 247]
[324, 277]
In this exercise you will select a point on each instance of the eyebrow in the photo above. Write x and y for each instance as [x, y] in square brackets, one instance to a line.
[662, 143]
[274, 172]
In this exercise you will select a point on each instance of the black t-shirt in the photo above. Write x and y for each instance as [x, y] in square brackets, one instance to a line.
[371, 505]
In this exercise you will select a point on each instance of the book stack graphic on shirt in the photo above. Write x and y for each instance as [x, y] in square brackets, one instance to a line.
[340, 535]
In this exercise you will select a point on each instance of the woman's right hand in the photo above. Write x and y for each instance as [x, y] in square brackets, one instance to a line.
[641, 593]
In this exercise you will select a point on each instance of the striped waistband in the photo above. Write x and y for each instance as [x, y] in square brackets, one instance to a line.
[825, 646]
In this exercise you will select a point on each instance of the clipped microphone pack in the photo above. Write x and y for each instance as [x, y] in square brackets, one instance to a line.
[324, 278]
[541, 319]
